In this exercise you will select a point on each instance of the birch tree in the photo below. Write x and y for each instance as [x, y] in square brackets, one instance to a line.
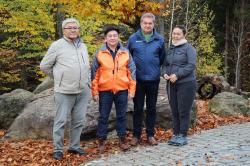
[238, 31]
[171, 22]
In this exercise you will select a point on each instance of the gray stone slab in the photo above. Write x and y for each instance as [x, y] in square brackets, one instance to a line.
[226, 145]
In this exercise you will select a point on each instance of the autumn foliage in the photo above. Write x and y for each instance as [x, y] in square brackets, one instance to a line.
[39, 152]
[29, 27]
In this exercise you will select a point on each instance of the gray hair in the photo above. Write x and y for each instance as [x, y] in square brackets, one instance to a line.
[70, 20]
[148, 15]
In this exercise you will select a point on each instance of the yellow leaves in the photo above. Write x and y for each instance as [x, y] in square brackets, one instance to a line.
[127, 10]
[16, 23]
[40, 74]
[78, 8]
[208, 65]
[122, 5]
[28, 24]
[122, 9]
[204, 41]
[10, 77]
[86, 8]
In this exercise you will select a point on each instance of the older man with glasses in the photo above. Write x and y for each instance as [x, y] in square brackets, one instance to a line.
[67, 63]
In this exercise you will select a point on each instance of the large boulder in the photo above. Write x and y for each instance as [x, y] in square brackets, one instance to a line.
[193, 115]
[46, 84]
[163, 115]
[227, 103]
[246, 95]
[36, 120]
[163, 118]
[11, 105]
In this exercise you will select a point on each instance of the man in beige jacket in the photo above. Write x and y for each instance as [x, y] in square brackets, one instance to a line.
[67, 63]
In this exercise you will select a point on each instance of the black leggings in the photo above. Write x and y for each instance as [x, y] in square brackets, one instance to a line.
[181, 97]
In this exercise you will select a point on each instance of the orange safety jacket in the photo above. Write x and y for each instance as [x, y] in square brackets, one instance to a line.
[113, 74]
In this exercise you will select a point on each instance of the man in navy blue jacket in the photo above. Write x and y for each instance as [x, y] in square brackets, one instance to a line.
[148, 51]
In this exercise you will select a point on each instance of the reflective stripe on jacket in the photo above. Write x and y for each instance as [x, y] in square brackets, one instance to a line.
[113, 74]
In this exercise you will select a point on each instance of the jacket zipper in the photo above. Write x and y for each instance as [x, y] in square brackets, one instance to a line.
[114, 67]
[79, 67]
[172, 58]
[61, 80]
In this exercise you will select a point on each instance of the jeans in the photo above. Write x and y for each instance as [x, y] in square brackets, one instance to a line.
[148, 89]
[181, 97]
[106, 99]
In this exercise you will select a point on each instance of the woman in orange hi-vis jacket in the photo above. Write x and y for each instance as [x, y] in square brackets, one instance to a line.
[113, 80]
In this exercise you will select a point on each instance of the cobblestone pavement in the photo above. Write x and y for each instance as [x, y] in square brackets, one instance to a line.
[223, 146]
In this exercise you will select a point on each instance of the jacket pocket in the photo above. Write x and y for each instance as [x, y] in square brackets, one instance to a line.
[61, 80]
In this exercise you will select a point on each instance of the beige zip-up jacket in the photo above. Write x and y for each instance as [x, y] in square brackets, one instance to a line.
[68, 64]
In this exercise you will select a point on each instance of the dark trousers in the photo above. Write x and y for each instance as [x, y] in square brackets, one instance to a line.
[106, 99]
[181, 97]
[148, 89]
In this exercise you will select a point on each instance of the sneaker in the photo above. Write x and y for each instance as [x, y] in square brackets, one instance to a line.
[101, 145]
[181, 140]
[123, 145]
[135, 141]
[152, 141]
[172, 141]
[58, 155]
[77, 151]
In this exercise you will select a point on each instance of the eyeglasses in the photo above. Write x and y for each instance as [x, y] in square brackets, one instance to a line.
[72, 28]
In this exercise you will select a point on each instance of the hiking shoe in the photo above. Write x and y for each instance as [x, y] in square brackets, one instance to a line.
[77, 151]
[123, 145]
[101, 145]
[58, 155]
[181, 140]
[152, 141]
[135, 141]
[172, 141]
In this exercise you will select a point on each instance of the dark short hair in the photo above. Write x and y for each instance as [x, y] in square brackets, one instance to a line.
[111, 28]
[182, 27]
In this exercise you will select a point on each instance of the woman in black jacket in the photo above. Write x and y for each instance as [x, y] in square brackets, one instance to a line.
[179, 71]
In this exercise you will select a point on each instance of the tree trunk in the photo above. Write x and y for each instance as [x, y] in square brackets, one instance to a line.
[171, 24]
[59, 17]
[187, 10]
[161, 21]
[23, 73]
[239, 44]
[226, 73]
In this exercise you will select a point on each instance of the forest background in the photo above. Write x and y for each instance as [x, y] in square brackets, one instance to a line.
[218, 29]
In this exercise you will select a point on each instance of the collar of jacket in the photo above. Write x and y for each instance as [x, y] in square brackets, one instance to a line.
[77, 42]
[116, 49]
[180, 42]
[173, 46]
[104, 48]
[155, 36]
